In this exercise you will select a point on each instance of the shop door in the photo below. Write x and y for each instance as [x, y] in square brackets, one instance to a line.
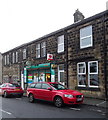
[48, 77]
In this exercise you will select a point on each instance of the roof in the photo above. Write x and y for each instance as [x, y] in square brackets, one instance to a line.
[62, 29]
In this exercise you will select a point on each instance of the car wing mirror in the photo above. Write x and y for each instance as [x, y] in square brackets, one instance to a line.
[49, 88]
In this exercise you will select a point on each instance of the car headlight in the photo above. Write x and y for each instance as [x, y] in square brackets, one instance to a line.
[82, 95]
[68, 96]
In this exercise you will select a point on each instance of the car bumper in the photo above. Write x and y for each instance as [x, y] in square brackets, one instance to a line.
[73, 100]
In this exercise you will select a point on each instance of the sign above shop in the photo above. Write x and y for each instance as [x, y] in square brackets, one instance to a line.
[49, 56]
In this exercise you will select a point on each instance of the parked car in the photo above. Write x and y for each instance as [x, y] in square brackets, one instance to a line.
[55, 92]
[7, 89]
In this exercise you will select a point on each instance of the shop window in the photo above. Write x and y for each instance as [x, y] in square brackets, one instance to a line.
[81, 68]
[60, 40]
[93, 73]
[43, 49]
[38, 51]
[86, 37]
[61, 73]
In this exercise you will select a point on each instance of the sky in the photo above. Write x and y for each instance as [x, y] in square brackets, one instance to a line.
[22, 21]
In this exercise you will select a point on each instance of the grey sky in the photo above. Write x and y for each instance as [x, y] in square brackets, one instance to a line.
[22, 21]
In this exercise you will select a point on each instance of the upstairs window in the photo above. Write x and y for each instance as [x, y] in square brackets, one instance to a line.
[13, 58]
[60, 41]
[16, 57]
[24, 53]
[86, 37]
[38, 51]
[43, 49]
[8, 59]
[5, 60]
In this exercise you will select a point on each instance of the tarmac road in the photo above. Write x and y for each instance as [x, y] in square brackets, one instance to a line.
[21, 108]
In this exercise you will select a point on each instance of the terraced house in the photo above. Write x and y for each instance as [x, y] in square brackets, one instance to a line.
[76, 56]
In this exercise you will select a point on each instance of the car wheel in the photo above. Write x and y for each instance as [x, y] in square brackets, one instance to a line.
[5, 94]
[31, 98]
[58, 102]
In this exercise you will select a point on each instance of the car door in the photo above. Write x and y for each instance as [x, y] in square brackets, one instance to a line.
[46, 93]
[37, 91]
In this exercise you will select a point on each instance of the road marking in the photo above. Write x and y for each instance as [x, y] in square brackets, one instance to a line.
[6, 112]
[101, 103]
[18, 98]
[75, 109]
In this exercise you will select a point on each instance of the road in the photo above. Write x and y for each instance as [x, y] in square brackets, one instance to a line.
[21, 108]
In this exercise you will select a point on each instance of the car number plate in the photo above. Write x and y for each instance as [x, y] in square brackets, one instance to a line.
[79, 99]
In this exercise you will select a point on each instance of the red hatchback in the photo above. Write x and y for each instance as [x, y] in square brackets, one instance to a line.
[55, 92]
[7, 89]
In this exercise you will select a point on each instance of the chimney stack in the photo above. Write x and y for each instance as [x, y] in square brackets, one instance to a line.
[78, 16]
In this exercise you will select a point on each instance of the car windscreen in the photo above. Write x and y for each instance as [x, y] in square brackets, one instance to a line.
[58, 86]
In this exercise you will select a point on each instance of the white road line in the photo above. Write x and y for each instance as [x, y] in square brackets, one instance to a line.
[75, 109]
[101, 103]
[6, 112]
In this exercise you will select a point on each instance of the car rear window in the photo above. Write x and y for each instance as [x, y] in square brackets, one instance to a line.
[32, 86]
[14, 85]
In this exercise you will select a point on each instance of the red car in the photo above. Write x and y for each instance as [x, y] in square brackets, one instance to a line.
[55, 92]
[7, 89]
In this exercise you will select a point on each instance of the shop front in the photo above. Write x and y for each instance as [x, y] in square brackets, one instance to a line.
[40, 73]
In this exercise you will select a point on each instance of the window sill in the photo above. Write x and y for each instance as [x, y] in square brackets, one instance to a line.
[88, 88]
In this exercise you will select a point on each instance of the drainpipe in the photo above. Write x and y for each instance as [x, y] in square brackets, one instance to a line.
[66, 39]
[105, 58]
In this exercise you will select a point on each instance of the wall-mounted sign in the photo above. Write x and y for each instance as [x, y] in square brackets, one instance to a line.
[49, 57]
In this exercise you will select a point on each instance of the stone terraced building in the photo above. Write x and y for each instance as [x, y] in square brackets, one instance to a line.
[76, 56]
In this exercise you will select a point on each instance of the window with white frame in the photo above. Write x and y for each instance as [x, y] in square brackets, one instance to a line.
[24, 53]
[13, 57]
[5, 60]
[61, 73]
[81, 70]
[38, 51]
[16, 57]
[43, 49]
[8, 59]
[60, 41]
[88, 77]
[93, 74]
[86, 37]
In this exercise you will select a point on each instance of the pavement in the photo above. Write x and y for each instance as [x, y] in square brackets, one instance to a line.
[93, 102]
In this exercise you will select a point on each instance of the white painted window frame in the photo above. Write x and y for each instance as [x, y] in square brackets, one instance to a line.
[60, 44]
[96, 73]
[82, 38]
[38, 50]
[59, 71]
[81, 73]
